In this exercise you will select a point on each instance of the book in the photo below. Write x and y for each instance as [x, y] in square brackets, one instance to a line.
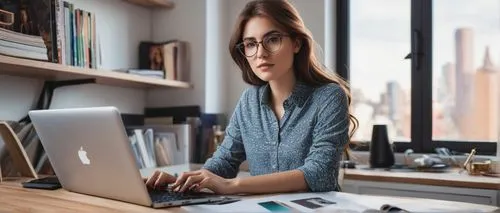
[163, 157]
[60, 32]
[22, 53]
[151, 56]
[171, 57]
[175, 59]
[135, 149]
[68, 32]
[20, 46]
[150, 146]
[20, 38]
[143, 149]
[35, 18]
[148, 73]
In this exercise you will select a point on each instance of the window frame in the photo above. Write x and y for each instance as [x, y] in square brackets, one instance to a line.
[421, 81]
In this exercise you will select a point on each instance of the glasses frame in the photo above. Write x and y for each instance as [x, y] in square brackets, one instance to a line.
[241, 46]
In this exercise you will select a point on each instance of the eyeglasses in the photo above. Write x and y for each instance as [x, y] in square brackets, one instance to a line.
[271, 43]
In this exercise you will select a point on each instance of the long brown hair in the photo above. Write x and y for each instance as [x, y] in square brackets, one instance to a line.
[306, 65]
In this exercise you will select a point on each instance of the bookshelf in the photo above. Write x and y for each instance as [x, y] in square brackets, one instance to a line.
[13, 66]
[166, 4]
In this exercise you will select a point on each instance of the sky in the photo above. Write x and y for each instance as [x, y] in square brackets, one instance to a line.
[380, 39]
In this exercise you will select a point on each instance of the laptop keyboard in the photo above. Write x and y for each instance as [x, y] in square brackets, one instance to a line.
[169, 195]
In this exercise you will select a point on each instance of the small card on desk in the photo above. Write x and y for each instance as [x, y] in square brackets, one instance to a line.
[275, 206]
[313, 203]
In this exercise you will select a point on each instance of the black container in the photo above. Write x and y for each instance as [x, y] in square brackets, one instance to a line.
[381, 155]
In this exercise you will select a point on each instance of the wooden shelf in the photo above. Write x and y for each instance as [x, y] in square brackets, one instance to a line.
[166, 4]
[50, 71]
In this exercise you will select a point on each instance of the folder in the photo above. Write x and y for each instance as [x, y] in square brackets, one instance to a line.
[16, 151]
[180, 141]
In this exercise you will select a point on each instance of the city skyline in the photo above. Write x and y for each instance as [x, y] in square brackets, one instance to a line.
[465, 106]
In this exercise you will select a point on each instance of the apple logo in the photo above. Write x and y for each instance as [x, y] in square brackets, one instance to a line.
[82, 154]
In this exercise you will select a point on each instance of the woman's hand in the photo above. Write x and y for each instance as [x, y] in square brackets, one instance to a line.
[159, 179]
[197, 180]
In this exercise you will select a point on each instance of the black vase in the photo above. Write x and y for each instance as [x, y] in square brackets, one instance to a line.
[381, 155]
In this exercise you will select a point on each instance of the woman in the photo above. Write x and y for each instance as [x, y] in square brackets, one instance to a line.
[291, 126]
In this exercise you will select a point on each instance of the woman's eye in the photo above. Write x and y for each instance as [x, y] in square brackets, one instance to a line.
[273, 40]
[250, 45]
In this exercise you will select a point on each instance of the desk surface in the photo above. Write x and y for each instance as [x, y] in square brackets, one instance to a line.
[452, 178]
[14, 198]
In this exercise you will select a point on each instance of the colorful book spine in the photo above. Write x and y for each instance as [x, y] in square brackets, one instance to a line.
[60, 32]
[73, 36]
[68, 36]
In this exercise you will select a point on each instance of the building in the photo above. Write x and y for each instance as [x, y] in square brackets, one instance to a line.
[464, 77]
[396, 104]
[485, 110]
[448, 85]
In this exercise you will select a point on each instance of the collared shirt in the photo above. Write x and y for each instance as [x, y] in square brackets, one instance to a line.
[309, 137]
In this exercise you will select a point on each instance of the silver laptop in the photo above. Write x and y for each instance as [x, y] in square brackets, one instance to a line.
[90, 153]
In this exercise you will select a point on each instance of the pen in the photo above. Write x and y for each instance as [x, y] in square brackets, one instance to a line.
[228, 201]
[469, 158]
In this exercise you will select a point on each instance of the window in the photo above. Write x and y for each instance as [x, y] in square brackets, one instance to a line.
[380, 77]
[465, 55]
[445, 95]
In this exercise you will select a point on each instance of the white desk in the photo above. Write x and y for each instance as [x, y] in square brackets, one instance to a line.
[451, 185]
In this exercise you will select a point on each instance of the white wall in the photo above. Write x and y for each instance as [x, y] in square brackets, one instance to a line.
[187, 22]
[17, 95]
[216, 56]
[120, 27]
[235, 85]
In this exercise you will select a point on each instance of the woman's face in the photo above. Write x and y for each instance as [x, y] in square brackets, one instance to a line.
[268, 50]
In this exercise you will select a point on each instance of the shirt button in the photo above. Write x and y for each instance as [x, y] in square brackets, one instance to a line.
[274, 166]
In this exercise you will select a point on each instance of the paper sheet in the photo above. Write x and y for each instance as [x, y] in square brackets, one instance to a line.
[345, 203]
[425, 205]
[414, 205]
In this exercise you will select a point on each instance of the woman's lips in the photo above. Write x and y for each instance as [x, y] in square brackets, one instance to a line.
[265, 66]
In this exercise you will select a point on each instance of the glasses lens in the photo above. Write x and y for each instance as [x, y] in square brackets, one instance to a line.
[272, 43]
[249, 48]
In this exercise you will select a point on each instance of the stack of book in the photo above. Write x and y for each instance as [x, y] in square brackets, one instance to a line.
[160, 74]
[148, 73]
[50, 30]
[22, 45]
